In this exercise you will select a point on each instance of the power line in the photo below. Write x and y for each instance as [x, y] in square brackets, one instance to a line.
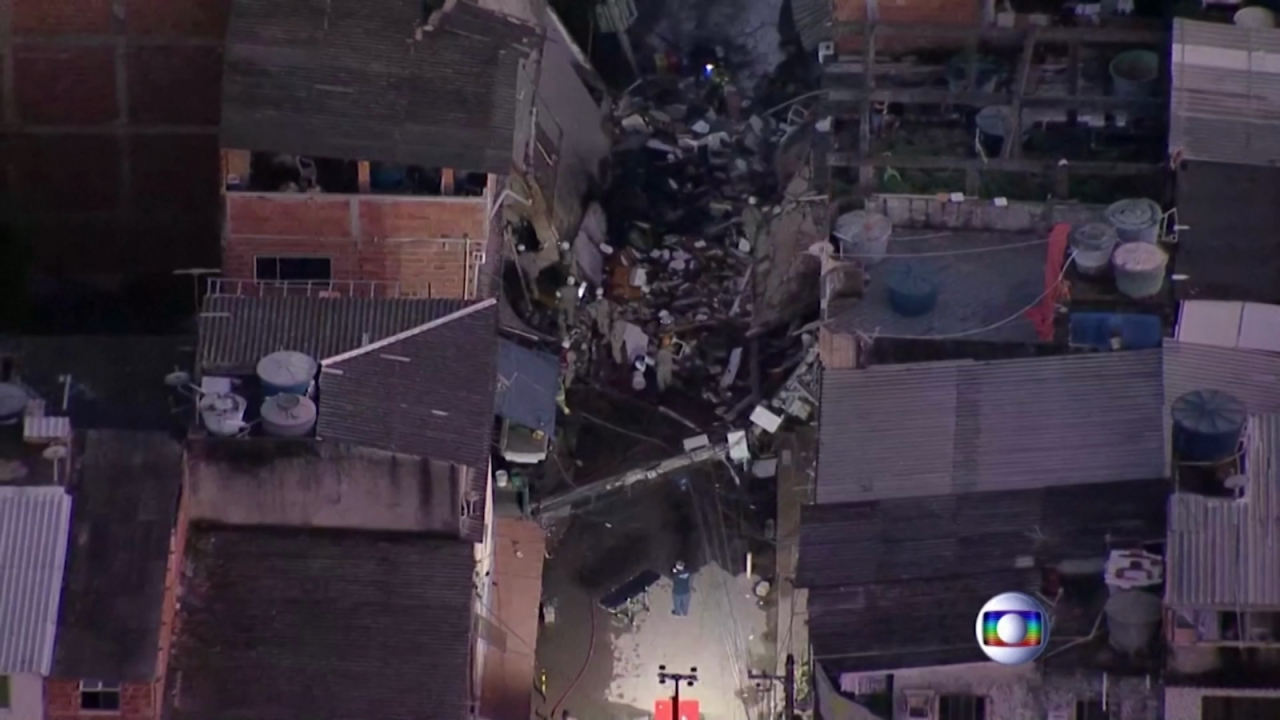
[728, 636]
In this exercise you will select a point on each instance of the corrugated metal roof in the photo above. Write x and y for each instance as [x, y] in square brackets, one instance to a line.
[528, 382]
[343, 79]
[892, 582]
[812, 19]
[236, 332]
[1225, 97]
[1223, 552]
[944, 428]
[34, 522]
[1251, 376]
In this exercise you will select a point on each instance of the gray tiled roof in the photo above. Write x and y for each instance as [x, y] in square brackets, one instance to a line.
[429, 395]
[896, 583]
[1224, 553]
[1225, 96]
[237, 332]
[902, 431]
[324, 625]
[125, 510]
[33, 550]
[343, 79]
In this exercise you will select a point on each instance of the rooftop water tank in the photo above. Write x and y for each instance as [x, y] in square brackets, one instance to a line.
[1092, 245]
[13, 403]
[863, 236]
[995, 125]
[1254, 16]
[288, 415]
[387, 177]
[1134, 73]
[223, 413]
[1207, 426]
[287, 372]
[1135, 220]
[1133, 618]
[1140, 269]
[913, 291]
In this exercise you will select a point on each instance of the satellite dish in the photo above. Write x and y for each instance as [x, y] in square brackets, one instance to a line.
[55, 452]
[177, 379]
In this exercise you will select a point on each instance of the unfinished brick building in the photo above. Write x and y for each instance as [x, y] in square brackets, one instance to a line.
[108, 134]
[367, 158]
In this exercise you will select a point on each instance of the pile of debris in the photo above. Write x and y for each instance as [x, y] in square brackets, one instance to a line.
[672, 252]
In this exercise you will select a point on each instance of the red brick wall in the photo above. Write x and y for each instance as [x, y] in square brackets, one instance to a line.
[62, 702]
[941, 12]
[422, 243]
[101, 201]
[172, 582]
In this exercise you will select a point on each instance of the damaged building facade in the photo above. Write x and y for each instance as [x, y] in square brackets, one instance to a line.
[334, 184]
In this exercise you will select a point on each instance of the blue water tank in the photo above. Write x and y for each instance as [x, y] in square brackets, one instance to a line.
[387, 177]
[1207, 425]
[286, 372]
[913, 291]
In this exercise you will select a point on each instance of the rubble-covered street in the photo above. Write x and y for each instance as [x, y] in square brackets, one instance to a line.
[723, 636]
[678, 305]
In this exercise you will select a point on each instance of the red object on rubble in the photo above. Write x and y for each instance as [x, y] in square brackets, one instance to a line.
[688, 710]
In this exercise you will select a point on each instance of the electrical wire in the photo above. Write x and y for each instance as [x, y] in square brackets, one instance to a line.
[732, 649]
[943, 253]
[988, 328]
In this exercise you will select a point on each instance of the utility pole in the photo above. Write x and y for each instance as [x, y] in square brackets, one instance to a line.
[788, 681]
[675, 679]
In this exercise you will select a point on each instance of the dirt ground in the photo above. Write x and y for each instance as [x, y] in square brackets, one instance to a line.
[651, 527]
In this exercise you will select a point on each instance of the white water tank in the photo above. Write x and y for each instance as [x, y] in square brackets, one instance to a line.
[223, 413]
[287, 372]
[288, 415]
[863, 236]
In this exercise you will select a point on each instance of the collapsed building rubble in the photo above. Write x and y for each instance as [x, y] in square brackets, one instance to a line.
[664, 295]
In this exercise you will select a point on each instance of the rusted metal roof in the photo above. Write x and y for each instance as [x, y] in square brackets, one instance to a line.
[1224, 552]
[901, 431]
[1225, 97]
[34, 522]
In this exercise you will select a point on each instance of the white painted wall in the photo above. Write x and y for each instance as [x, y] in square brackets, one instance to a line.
[1184, 703]
[483, 583]
[26, 698]
[1008, 688]
[1021, 693]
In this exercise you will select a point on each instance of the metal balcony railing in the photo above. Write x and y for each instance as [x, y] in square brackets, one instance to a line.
[237, 287]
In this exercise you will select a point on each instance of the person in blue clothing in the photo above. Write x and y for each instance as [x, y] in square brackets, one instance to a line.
[681, 589]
